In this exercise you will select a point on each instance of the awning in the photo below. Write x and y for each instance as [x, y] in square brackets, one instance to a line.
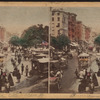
[40, 55]
[43, 60]
[83, 55]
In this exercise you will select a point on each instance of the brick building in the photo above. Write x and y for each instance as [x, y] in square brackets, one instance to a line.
[2, 34]
[87, 33]
[79, 27]
[72, 26]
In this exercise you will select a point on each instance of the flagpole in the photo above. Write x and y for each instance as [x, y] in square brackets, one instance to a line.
[50, 10]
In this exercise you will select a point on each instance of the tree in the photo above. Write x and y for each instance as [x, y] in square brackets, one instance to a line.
[97, 40]
[15, 40]
[60, 41]
[35, 35]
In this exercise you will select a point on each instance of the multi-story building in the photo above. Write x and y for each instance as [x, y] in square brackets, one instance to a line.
[2, 34]
[87, 33]
[72, 26]
[59, 22]
[79, 27]
[8, 36]
[93, 35]
[83, 33]
[63, 23]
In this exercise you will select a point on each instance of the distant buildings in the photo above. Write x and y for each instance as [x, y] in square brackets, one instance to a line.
[78, 31]
[66, 23]
[4, 35]
[72, 26]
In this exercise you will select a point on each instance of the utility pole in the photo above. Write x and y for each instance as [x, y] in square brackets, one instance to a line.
[50, 11]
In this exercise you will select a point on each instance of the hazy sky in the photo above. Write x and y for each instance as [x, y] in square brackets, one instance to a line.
[16, 19]
[89, 16]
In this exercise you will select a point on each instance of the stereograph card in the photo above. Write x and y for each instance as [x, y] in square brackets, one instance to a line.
[49, 50]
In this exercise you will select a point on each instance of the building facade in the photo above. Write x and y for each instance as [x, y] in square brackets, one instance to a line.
[66, 23]
[2, 34]
[83, 33]
[79, 27]
[72, 26]
[87, 33]
[59, 22]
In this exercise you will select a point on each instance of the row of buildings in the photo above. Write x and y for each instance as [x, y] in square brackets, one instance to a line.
[66, 23]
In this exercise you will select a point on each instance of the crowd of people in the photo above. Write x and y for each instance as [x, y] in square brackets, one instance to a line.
[19, 58]
[87, 78]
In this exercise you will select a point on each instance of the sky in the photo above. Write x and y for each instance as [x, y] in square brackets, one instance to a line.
[90, 16]
[17, 19]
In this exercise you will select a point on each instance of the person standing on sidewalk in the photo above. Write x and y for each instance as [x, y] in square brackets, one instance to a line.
[76, 73]
[26, 70]
[22, 68]
[18, 76]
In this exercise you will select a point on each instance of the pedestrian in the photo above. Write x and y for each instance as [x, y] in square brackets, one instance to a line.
[22, 68]
[98, 73]
[85, 73]
[10, 79]
[1, 71]
[95, 81]
[18, 76]
[14, 64]
[26, 70]
[12, 60]
[76, 73]
[19, 60]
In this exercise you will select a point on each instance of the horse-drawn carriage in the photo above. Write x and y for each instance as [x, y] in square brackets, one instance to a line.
[83, 60]
[42, 67]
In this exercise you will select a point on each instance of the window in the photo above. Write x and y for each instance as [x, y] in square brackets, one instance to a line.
[52, 13]
[58, 13]
[58, 18]
[52, 18]
[58, 25]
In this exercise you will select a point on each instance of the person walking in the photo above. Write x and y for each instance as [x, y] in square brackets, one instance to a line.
[22, 68]
[76, 73]
[19, 60]
[18, 76]
[95, 81]
[10, 79]
[26, 70]
[98, 73]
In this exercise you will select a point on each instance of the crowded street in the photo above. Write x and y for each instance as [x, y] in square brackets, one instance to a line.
[70, 81]
[69, 75]
[26, 77]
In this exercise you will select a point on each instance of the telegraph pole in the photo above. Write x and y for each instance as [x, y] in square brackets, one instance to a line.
[50, 10]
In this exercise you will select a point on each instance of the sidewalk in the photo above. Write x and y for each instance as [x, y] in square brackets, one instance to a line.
[8, 65]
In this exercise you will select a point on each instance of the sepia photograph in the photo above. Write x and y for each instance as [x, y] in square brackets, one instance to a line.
[75, 50]
[24, 49]
[49, 50]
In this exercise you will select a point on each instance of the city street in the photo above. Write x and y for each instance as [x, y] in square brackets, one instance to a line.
[69, 74]
[70, 83]
[27, 84]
